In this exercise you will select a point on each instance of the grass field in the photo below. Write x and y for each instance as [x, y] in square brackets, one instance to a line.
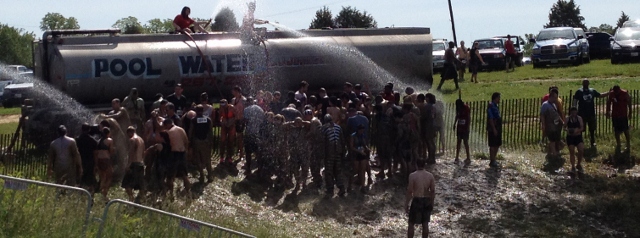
[527, 82]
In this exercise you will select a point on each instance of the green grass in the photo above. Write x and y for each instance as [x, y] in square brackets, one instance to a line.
[8, 128]
[527, 82]
[10, 111]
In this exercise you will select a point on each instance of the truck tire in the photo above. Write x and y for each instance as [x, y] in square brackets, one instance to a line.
[537, 66]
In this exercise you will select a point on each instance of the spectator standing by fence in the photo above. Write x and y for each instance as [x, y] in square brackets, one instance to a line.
[619, 110]
[574, 126]
[551, 123]
[461, 125]
[583, 99]
[64, 159]
[494, 129]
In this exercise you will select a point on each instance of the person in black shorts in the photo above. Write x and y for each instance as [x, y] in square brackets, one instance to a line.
[574, 127]
[421, 194]
[583, 99]
[494, 129]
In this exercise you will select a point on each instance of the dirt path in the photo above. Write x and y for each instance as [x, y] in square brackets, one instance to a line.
[9, 118]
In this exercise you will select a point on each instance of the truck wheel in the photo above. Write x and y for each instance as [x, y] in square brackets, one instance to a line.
[588, 59]
[578, 60]
[537, 66]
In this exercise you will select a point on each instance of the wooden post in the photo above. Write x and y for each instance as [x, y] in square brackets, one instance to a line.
[453, 25]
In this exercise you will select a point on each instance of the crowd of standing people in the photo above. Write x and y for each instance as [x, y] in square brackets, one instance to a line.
[329, 138]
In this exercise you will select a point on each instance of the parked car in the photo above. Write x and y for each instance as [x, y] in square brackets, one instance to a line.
[631, 24]
[17, 68]
[599, 44]
[492, 52]
[625, 45]
[558, 45]
[585, 48]
[439, 46]
[17, 89]
[526, 60]
[518, 44]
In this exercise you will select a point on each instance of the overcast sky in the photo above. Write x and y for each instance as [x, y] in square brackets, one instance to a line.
[474, 18]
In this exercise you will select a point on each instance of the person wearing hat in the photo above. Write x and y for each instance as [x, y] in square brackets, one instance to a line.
[247, 30]
[64, 162]
[254, 116]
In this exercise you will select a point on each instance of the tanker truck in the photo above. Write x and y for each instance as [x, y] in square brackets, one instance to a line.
[95, 66]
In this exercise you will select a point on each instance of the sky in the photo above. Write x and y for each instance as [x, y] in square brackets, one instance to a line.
[474, 19]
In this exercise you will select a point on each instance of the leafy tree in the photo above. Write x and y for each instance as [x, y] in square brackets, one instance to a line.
[16, 46]
[350, 17]
[565, 13]
[225, 20]
[129, 25]
[529, 45]
[157, 25]
[623, 18]
[324, 18]
[56, 21]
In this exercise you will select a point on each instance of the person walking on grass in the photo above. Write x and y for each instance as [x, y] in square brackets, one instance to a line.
[463, 57]
[583, 99]
[551, 123]
[511, 55]
[494, 129]
[620, 102]
[461, 125]
[574, 125]
[450, 71]
[475, 62]
[421, 194]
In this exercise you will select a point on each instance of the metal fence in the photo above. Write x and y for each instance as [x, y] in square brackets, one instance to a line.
[24, 160]
[35, 208]
[117, 222]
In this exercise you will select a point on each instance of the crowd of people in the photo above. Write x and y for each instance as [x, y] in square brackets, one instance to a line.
[305, 141]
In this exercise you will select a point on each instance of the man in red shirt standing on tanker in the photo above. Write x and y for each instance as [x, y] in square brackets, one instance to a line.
[183, 22]
[620, 102]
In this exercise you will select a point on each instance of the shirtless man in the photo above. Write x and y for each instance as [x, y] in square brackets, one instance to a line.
[118, 113]
[64, 159]
[134, 178]
[179, 144]
[238, 104]
[421, 194]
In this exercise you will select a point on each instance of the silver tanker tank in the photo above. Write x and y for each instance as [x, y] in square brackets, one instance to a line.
[95, 66]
